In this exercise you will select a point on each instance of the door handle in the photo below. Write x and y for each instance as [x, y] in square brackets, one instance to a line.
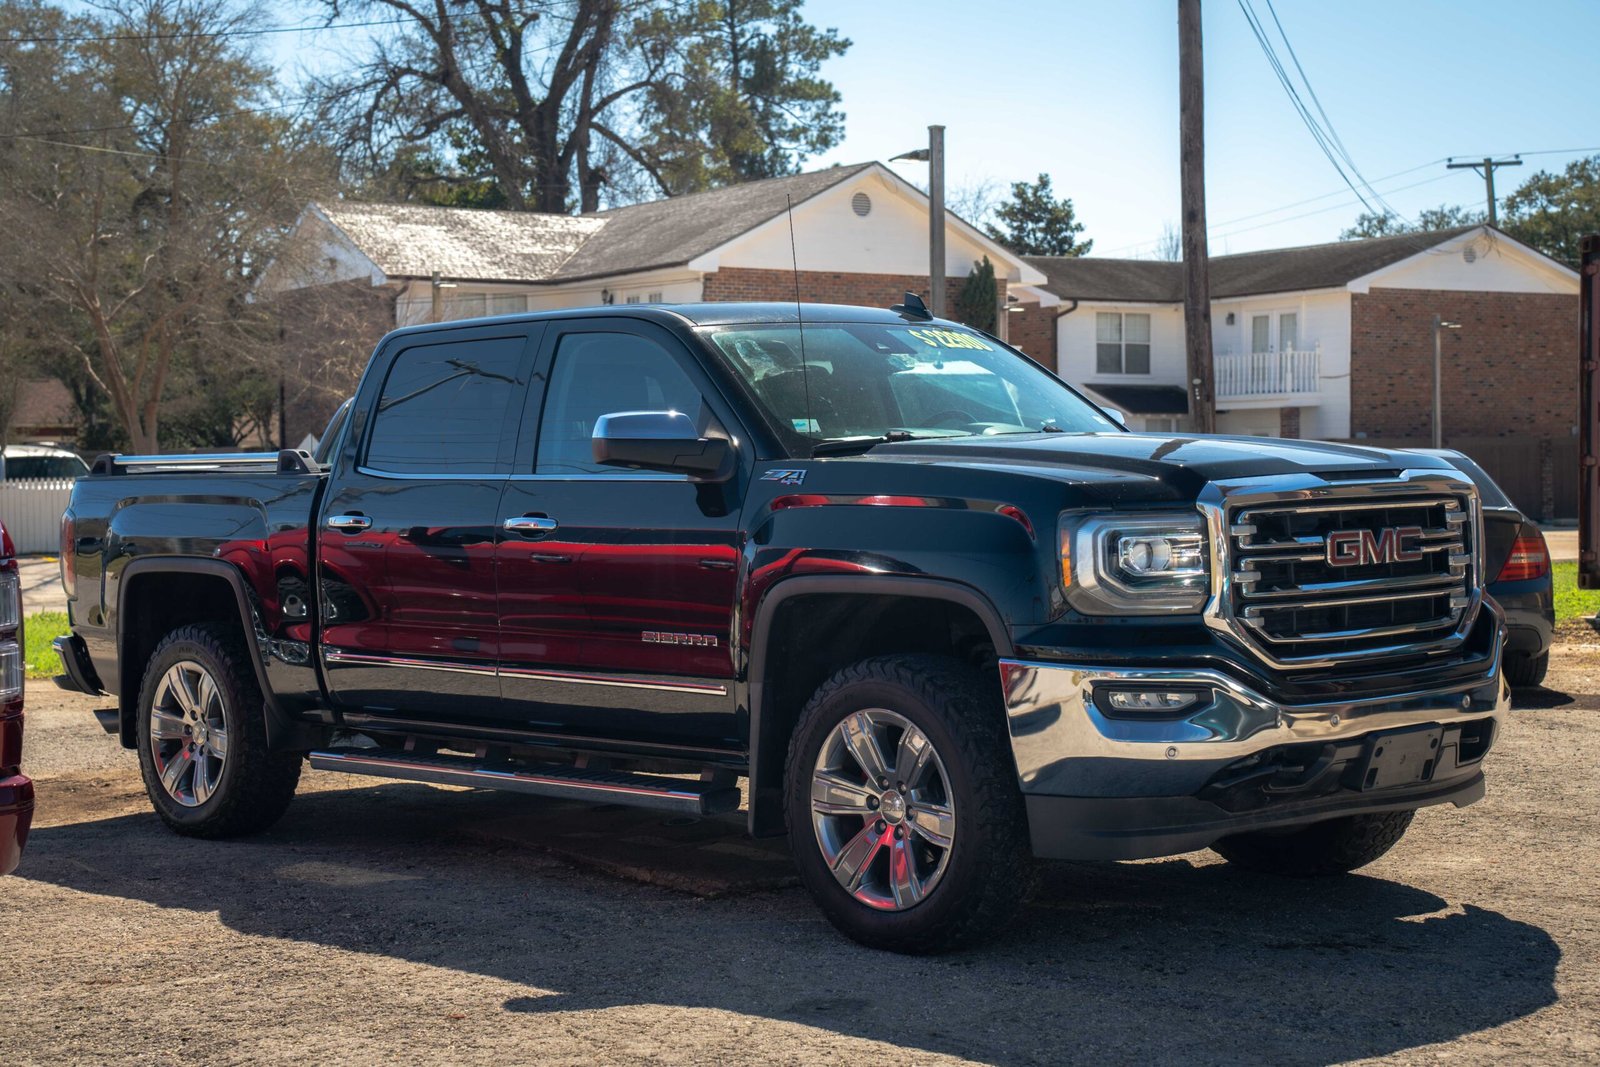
[349, 523]
[530, 525]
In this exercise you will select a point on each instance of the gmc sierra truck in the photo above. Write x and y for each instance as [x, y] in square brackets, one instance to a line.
[937, 611]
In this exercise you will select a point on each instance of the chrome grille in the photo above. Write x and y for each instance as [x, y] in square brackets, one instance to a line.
[1407, 585]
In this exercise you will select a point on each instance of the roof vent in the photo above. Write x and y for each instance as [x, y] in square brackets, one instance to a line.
[1470, 253]
[861, 204]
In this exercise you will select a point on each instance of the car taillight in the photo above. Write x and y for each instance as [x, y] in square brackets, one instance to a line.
[10, 634]
[69, 545]
[1529, 559]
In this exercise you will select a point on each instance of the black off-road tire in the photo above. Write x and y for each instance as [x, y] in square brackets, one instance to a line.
[990, 868]
[256, 784]
[1336, 846]
[1526, 671]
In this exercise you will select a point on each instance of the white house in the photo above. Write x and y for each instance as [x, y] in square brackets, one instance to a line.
[860, 236]
[1329, 341]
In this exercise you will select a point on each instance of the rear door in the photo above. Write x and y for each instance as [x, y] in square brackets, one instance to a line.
[406, 549]
[616, 586]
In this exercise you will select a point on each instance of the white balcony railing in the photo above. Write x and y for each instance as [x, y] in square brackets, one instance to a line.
[1294, 372]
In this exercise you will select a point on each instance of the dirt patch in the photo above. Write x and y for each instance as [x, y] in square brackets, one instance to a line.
[381, 923]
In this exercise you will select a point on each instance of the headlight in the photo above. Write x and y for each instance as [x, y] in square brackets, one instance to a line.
[1135, 564]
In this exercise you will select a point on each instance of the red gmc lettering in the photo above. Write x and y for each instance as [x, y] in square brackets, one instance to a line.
[1353, 548]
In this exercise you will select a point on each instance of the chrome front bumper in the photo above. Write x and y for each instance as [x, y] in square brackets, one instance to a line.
[1065, 745]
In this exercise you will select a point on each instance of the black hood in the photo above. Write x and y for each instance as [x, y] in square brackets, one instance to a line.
[1186, 463]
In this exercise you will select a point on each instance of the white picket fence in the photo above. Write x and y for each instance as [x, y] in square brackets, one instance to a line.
[31, 511]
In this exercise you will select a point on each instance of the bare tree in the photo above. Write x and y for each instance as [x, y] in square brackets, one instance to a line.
[152, 178]
[1170, 244]
[554, 106]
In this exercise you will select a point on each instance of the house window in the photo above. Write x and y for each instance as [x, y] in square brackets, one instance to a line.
[466, 306]
[1122, 343]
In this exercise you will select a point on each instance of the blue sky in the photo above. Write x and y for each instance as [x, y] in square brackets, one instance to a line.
[1087, 92]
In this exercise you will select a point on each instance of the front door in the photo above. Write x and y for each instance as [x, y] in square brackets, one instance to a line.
[616, 586]
[407, 540]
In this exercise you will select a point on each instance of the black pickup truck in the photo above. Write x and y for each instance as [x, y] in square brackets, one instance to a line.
[939, 612]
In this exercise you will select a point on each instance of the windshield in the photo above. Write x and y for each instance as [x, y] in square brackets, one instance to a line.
[877, 381]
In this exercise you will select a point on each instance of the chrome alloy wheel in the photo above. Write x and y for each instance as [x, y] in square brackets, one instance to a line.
[882, 810]
[188, 733]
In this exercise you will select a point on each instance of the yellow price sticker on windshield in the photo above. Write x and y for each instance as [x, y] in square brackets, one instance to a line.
[949, 339]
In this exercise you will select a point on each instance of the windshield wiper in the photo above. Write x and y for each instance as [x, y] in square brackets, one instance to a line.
[840, 446]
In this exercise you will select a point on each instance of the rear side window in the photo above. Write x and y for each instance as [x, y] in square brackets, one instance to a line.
[444, 408]
[599, 374]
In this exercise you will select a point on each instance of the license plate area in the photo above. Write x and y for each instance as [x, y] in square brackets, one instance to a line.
[1401, 757]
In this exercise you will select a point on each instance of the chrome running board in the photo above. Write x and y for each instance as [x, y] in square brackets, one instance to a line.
[682, 795]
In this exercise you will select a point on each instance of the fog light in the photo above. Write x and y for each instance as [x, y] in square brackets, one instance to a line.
[1159, 700]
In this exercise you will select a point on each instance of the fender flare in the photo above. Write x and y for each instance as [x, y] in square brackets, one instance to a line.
[766, 799]
[282, 730]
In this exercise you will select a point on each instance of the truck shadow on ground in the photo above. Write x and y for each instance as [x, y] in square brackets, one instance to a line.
[1119, 962]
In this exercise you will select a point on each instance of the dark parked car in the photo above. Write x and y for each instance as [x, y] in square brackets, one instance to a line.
[16, 790]
[942, 613]
[1516, 555]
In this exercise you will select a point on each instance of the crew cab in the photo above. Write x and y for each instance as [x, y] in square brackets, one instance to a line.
[935, 612]
[16, 789]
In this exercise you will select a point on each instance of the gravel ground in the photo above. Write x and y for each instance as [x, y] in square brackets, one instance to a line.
[377, 924]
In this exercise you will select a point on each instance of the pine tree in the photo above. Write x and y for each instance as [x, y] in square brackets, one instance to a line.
[976, 304]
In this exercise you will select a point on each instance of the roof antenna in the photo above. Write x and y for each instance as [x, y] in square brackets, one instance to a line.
[800, 322]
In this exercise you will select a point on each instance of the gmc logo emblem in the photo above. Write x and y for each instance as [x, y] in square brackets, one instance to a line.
[1355, 548]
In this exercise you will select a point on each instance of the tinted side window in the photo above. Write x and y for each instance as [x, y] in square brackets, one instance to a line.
[597, 374]
[444, 406]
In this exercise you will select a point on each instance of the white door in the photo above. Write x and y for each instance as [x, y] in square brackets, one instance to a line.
[1288, 331]
[1260, 333]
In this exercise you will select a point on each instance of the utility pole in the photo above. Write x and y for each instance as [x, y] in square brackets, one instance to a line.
[1589, 413]
[933, 156]
[439, 286]
[936, 220]
[1196, 264]
[1439, 326]
[1486, 172]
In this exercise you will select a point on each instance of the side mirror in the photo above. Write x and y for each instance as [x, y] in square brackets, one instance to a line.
[664, 441]
[1118, 416]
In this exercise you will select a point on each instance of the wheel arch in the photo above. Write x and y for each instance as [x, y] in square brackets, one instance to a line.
[973, 629]
[199, 591]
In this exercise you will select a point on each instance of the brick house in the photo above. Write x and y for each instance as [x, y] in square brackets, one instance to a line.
[860, 237]
[1330, 341]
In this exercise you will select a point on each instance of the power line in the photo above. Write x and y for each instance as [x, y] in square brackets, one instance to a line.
[1324, 140]
[115, 151]
[1216, 230]
[1327, 122]
[314, 27]
[37, 134]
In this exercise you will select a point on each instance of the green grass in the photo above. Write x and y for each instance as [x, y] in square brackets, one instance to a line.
[1572, 602]
[40, 630]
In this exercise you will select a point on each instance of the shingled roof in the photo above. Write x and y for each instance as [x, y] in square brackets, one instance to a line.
[668, 233]
[1276, 270]
[465, 244]
[414, 240]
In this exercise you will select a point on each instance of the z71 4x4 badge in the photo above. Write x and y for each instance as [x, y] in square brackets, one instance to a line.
[785, 477]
